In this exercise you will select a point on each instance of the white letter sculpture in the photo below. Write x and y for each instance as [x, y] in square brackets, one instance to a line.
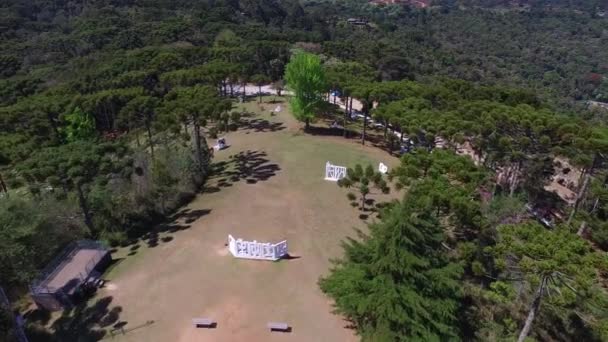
[382, 168]
[256, 250]
[334, 172]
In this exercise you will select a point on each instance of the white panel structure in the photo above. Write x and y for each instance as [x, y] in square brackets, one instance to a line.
[334, 172]
[256, 250]
[382, 168]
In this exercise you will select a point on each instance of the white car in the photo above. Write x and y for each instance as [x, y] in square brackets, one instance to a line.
[356, 115]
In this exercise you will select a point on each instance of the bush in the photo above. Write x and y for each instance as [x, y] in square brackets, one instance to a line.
[6, 324]
[114, 239]
[213, 133]
[599, 235]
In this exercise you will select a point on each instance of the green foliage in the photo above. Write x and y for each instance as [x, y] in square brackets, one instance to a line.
[31, 233]
[6, 325]
[115, 70]
[9, 65]
[260, 80]
[74, 167]
[361, 179]
[79, 125]
[164, 182]
[560, 266]
[305, 77]
[396, 284]
[227, 38]
[503, 210]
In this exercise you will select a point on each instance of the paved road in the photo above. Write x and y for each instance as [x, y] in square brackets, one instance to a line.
[251, 89]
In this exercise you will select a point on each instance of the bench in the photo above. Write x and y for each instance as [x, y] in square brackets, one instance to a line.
[279, 326]
[204, 323]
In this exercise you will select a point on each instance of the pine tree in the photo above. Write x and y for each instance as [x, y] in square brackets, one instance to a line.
[396, 284]
[361, 179]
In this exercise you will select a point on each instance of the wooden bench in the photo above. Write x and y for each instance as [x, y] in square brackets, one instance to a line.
[204, 323]
[279, 326]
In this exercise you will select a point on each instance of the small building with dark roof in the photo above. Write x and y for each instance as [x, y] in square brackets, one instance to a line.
[78, 264]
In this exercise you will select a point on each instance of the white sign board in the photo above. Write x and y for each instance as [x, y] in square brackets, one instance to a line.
[256, 250]
[382, 168]
[334, 172]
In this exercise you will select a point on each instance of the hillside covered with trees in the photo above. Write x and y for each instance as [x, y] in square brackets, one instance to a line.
[106, 107]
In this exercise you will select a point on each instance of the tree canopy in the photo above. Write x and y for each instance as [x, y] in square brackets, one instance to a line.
[305, 77]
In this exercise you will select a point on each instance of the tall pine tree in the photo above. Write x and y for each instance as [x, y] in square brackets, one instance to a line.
[396, 284]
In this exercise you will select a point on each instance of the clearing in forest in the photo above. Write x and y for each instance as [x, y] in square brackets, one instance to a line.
[268, 186]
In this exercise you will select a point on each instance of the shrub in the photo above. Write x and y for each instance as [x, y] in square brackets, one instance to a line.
[599, 235]
[114, 239]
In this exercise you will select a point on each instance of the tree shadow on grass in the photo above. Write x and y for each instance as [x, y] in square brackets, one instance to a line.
[38, 316]
[188, 216]
[251, 166]
[324, 131]
[350, 324]
[290, 257]
[382, 144]
[261, 125]
[115, 262]
[83, 322]
[180, 221]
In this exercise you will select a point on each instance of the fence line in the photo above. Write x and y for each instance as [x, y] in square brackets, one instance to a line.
[53, 267]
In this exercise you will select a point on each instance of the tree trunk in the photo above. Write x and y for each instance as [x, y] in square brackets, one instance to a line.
[84, 206]
[344, 125]
[162, 204]
[364, 127]
[3, 186]
[149, 129]
[260, 93]
[582, 229]
[579, 196]
[513, 178]
[533, 311]
[346, 105]
[107, 117]
[350, 107]
[307, 122]
[385, 129]
[362, 202]
[197, 145]
[595, 205]
[54, 126]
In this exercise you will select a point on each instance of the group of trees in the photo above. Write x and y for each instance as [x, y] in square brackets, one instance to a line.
[513, 139]
[448, 263]
[105, 107]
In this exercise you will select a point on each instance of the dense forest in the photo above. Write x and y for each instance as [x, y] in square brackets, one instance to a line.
[106, 107]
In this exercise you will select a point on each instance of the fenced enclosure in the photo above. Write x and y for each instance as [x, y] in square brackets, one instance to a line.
[66, 272]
